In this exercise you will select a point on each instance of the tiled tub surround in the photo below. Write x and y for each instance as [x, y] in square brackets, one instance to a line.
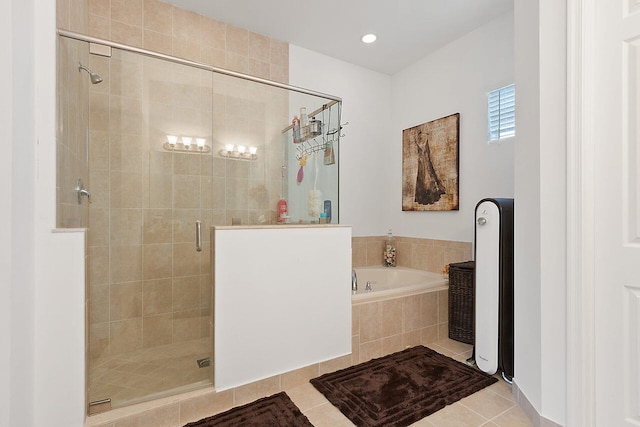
[422, 254]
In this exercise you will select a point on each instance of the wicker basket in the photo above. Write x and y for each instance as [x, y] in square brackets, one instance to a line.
[461, 301]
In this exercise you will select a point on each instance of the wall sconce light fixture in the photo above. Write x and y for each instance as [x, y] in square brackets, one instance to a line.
[239, 152]
[186, 144]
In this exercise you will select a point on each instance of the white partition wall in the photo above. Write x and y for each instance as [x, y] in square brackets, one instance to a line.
[282, 299]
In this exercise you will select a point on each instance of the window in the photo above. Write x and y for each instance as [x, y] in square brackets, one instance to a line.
[502, 113]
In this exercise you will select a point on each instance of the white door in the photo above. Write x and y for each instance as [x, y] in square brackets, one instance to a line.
[617, 212]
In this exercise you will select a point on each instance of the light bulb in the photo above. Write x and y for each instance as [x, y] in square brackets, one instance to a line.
[172, 140]
[228, 148]
[369, 38]
[200, 142]
[253, 150]
[186, 140]
[241, 149]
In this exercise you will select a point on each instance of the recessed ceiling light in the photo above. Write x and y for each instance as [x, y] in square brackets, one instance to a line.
[369, 38]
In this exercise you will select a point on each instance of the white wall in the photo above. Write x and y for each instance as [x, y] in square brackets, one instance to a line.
[540, 163]
[367, 145]
[46, 283]
[455, 79]
[17, 166]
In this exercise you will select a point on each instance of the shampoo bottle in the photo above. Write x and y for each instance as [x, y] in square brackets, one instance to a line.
[389, 259]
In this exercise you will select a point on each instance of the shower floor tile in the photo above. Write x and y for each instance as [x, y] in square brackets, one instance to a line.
[150, 373]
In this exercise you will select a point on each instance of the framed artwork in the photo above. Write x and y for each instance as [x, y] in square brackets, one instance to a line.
[430, 165]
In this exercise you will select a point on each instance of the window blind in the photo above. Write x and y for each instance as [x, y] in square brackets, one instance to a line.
[502, 113]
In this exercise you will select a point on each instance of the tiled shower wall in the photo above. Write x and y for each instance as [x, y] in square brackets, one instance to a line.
[164, 28]
[422, 254]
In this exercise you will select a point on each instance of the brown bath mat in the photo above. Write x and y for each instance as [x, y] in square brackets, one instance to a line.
[273, 411]
[401, 388]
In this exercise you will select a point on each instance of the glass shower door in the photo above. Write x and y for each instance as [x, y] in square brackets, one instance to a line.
[150, 329]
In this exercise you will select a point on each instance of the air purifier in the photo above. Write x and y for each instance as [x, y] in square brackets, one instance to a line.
[494, 286]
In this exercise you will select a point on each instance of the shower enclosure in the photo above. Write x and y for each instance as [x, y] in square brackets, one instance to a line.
[151, 149]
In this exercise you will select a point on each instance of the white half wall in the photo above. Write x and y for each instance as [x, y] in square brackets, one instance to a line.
[365, 149]
[282, 299]
[454, 79]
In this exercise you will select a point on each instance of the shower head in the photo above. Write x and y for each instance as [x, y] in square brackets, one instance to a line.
[95, 78]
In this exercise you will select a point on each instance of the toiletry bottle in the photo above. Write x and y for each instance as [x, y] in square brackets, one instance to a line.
[295, 127]
[304, 124]
[389, 253]
[283, 211]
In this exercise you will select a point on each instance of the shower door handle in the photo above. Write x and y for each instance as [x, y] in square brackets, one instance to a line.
[198, 236]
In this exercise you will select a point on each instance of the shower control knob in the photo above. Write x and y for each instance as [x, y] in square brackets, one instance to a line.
[482, 220]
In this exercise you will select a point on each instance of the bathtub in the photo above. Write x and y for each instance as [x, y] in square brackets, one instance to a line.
[394, 282]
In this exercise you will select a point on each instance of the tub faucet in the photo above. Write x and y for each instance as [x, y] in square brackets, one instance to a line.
[354, 281]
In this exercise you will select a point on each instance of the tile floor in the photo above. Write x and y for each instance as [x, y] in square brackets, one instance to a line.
[493, 406]
[150, 373]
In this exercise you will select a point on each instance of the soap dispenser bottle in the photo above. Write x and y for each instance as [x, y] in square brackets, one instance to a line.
[389, 259]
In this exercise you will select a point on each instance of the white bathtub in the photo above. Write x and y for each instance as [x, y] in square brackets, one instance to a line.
[393, 282]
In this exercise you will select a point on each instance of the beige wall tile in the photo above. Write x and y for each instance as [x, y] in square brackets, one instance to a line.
[126, 227]
[125, 335]
[158, 226]
[125, 190]
[158, 16]
[186, 24]
[370, 321]
[428, 309]
[157, 330]
[443, 306]
[214, 33]
[166, 416]
[126, 34]
[237, 62]
[125, 300]
[429, 334]
[411, 315]
[98, 340]
[355, 319]
[127, 12]
[391, 317]
[279, 53]
[214, 57]
[299, 376]
[206, 405]
[186, 261]
[100, 7]
[370, 350]
[125, 264]
[258, 68]
[158, 261]
[98, 233]
[256, 390]
[186, 325]
[186, 293]
[157, 297]
[100, 27]
[412, 338]
[184, 221]
[392, 344]
[157, 42]
[99, 304]
[259, 47]
[334, 364]
[98, 265]
[186, 49]
[237, 41]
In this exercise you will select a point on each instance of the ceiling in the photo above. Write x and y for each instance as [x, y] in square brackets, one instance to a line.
[407, 30]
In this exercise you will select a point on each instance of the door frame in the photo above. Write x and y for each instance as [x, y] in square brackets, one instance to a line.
[581, 109]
